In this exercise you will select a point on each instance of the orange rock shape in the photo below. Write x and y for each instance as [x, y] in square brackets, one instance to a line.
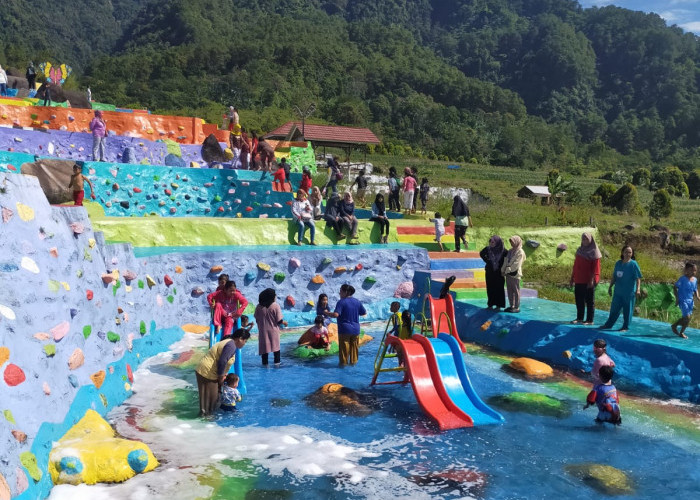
[107, 278]
[4, 355]
[89, 294]
[318, 279]
[216, 269]
[531, 367]
[76, 359]
[20, 436]
[98, 378]
[178, 269]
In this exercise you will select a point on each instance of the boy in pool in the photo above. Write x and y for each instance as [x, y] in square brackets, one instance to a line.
[395, 318]
[245, 323]
[604, 396]
[601, 359]
[229, 393]
[685, 290]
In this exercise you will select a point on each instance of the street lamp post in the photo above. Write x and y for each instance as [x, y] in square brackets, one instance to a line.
[304, 115]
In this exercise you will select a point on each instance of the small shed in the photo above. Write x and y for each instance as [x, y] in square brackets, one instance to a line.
[541, 192]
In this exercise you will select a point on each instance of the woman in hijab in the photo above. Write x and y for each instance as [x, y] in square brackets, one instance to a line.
[98, 127]
[268, 315]
[332, 215]
[460, 212]
[584, 277]
[379, 215]
[347, 213]
[494, 255]
[512, 271]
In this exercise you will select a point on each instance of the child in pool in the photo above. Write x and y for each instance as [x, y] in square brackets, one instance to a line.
[439, 229]
[323, 310]
[601, 359]
[604, 396]
[406, 327]
[685, 290]
[229, 392]
[245, 324]
[395, 318]
[321, 339]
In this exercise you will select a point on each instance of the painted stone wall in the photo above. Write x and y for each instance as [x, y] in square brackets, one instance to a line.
[77, 316]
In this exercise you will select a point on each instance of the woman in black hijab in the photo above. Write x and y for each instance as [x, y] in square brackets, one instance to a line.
[379, 215]
[493, 256]
[460, 212]
[332, 216]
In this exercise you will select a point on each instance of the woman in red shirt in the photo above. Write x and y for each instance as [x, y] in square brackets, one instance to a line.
[584, 278]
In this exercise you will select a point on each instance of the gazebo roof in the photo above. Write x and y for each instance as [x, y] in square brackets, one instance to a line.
[328, 135]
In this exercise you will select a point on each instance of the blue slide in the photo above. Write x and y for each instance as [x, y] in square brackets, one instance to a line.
[453, 373]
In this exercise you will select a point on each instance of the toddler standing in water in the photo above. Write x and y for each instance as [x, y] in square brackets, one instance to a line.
[229, 392]
[604, 396]
[685, 290]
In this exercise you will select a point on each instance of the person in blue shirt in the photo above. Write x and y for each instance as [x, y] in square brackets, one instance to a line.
[348, 311]
[604, 396]
[685, 290]
[626, 280]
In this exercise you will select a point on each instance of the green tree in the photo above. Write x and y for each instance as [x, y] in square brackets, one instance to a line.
[626, 200]
[660, 205]
[693, 184]
[605, 191]
[641, 177]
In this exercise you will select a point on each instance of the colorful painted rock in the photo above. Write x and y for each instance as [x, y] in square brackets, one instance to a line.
[294, 262]
[318, 279]
[76, 359]
[150, 281]
[340, 269]
[14, 375]
[263, 267]
[167, 280]
[216, 269]
[290, 301]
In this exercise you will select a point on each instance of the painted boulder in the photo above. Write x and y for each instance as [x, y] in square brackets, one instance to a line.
[531, 368]
[529, 402]
[340, 399]
[603, 478]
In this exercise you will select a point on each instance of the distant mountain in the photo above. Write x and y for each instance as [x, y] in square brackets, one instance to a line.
[516, 82]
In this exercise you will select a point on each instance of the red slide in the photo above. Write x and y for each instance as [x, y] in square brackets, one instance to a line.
[427, 385]
[442, 314]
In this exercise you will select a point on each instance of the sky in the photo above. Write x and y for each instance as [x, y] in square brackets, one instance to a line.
[684, 13]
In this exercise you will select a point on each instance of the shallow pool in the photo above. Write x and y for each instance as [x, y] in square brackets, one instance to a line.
[276, 446]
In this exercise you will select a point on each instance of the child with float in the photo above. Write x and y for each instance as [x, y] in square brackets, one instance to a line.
[604, 396]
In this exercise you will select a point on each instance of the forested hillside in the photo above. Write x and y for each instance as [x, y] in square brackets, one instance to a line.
[524, 83]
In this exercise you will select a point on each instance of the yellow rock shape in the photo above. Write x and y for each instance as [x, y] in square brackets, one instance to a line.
[310, 303]
[604, 478]
[150, 281]
[190, 328]
[531, 367]
[90, 453]
[485, 326]
[65, 285]
[98, 378]
[4, 355]
[92, 242]
[26, 213]
[263, 267]
[337, 398]
[178, 269]
[318, 279]
[566, 354]
[340, 269]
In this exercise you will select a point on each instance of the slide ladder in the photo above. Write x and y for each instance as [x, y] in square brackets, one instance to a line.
[385, 351]
[442, 316]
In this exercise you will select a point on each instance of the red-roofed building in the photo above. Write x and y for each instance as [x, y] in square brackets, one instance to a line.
[324, 135]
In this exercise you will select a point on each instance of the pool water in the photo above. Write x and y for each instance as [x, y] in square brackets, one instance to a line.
[276, 446]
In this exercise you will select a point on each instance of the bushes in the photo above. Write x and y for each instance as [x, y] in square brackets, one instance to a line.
[660, 205]
[604, 194]
[626, 200]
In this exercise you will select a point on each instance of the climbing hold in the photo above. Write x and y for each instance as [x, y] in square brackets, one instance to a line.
[4, 355]
[124, 204]
[87, 330]
[290, 301]
[113, 337]
[142, 327]
[76, 359]
[178, 269]
[107, 278]
[279, 277]
[326, 261]
[249, 276]
[29, 265]
[294, 263]
[404, 290]
[28, 460]
[161, 203]
[60, 330]
[77, 228]
[98, 378]
[263, 267]
[53, 251]
[7, 312]
[129, 275]
[216, 269]
[310, 303]
[167, 280]
[89, 294]
[167, 192]
[340, 269]
[197, 292]
[39, 336]
[566, 354]
[50, 350]
[485, 326]
[220, 209]
[14, 375]
[318, 279]
[115, 187]
[150, 281]
[370, 280]
[217, 198]
[358, 267]
[277, 205]
[20, 436]
[173, 210]
[248, 209]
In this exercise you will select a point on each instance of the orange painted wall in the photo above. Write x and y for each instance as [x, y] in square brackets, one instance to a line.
[183, 129]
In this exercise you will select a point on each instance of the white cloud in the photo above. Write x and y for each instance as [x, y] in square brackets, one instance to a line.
[693, 26]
